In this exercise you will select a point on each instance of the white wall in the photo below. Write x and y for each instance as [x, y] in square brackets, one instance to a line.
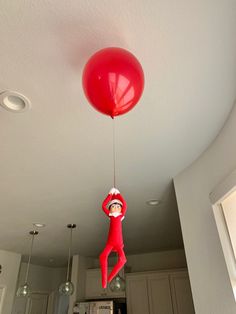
[58, 276]
[41, 279]
[10, 267]
[84, 263]
[210, 283]
[153, 261]
[78, 277]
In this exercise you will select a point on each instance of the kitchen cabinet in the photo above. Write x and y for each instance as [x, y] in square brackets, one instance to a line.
[159, 293]
[93, 288]
[181, 292]
[137, 294]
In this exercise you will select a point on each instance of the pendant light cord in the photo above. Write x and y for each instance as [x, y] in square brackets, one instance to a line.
[69, 255]
[28, 265]
[114, 155]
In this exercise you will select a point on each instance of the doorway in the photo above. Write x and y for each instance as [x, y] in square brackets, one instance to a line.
[37, 303]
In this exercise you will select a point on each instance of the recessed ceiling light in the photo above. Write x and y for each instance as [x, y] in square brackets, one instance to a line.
[39, 225]
[153, 202]
[14, 101]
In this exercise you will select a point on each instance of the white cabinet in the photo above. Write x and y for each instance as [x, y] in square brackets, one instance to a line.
[93, 287]
[94, 290]
[148, 294]
[181, 291]
[159, 293]
[137, 295]
[37, 303]
[2, 295]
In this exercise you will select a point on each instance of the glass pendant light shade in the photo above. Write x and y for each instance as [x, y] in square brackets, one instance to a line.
[117, 284]
[23, 291]
[67, 288]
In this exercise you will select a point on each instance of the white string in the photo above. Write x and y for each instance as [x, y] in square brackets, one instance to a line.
[69, 255]
[114, 155]
[30, 255]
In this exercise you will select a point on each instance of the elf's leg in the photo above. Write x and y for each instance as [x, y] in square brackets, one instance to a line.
[121, 261]
[103, 263]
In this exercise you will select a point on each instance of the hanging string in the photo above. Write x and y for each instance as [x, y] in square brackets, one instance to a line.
[33, 233]
[114, 155]
[69, 254]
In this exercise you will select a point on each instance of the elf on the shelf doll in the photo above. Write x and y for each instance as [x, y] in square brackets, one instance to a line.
[114, 206]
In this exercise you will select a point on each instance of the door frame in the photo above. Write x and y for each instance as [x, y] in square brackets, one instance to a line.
[37, 292]
[2, 297]
[51, 301]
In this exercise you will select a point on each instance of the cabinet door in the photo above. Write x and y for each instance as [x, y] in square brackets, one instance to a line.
[159, 293]
[137, 294]
[93, 287]
[181, 293]
[37, 304]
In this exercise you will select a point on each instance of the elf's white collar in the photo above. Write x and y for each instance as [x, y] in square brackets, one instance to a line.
[115, 214]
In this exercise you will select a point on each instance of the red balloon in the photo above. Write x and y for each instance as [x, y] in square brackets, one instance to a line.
[113, 81]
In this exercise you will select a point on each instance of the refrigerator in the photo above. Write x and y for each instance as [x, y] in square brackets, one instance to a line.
[94, 307]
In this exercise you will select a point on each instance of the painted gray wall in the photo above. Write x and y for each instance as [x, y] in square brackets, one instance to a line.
[10, 267]
[41, 279]
[211, 287]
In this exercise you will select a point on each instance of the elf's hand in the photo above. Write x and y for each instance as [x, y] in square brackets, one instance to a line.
[112, 191]
[116, 191]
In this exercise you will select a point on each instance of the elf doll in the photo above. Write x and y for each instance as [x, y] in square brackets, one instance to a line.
[114, 206]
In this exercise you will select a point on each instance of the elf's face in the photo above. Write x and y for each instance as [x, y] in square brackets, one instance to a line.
[115, 208]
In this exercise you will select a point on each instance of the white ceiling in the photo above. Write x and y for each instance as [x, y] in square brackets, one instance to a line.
[56, 159]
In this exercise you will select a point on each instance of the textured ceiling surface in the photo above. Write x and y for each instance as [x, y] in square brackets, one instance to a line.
[56, 159]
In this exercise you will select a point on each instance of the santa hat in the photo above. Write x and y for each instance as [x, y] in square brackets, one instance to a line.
[115, 201]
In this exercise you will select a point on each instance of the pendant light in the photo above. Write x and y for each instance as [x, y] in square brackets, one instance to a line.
[24, 290]
[117, 284]
[67, 288]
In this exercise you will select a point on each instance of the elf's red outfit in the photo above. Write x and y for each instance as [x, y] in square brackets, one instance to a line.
[115, 239]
